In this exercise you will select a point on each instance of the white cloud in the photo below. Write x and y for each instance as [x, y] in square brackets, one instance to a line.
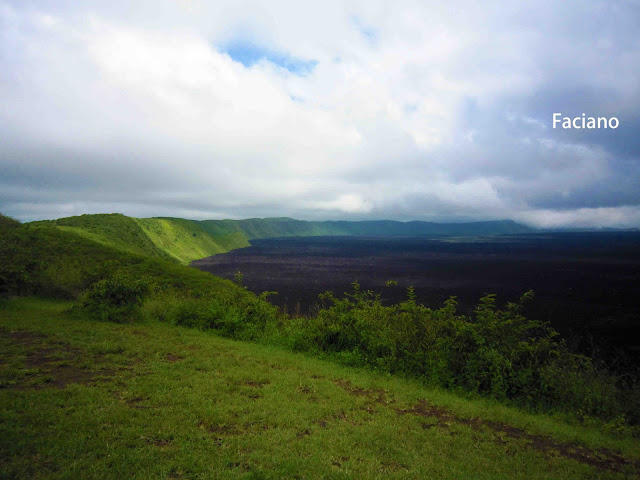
[414, 110]
[347, 203]
[584, 217]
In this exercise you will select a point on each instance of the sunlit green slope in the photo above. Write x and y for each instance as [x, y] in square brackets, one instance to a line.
[175, 239]
[114, 229]
[63, 261]
[186, 240]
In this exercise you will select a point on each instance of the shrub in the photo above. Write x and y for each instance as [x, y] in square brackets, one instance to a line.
[19, 269]
[238, 314]
[115, 299]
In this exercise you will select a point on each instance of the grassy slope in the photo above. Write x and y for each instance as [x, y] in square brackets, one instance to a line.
[177, 239]
[84, 399]
[66, 262]
[186, 240]
[115, 230]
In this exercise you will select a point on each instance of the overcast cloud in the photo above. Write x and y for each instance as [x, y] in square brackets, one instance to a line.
[333, 110]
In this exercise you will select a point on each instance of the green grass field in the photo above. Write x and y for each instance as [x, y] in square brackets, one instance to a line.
[87, 399]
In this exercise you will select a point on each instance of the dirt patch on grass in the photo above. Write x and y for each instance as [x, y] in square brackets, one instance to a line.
[376, 395]
[338, 462]
[158, 442]
[339, 416]
[173, 358]
[23, 337]
[221, 431]
[600, 458]
[56, 363]
[256, 384]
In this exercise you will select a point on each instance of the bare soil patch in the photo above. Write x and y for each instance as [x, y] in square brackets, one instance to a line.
[173, 358]
[57, 363]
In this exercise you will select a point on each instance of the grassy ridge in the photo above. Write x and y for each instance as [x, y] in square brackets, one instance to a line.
[63, 262]
[175, 239]
[88, 399]
[186, 240]
[114, 230]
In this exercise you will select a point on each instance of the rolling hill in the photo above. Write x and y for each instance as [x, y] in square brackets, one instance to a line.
[63, 259]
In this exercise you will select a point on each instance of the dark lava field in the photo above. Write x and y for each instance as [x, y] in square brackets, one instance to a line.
[586, 285]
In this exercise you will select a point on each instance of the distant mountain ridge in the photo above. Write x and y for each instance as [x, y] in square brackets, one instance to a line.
[184, 240]
[285, 227]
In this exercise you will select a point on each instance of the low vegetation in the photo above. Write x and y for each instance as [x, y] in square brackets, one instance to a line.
[84, 398]
[122, 319]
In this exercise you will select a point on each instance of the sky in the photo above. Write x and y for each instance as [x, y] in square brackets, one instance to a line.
[354, 110]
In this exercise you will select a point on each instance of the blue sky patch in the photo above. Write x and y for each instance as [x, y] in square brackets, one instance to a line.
[369, 33]
[248, 54]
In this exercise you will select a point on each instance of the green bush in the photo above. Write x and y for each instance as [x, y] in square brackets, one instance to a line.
[19, 268]
[238, 314]
[115, 299]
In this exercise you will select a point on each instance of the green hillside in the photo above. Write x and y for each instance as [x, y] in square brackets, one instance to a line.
[270, 227]
[176, 239]
[187, 240]
[64, 261]
[115, 230]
